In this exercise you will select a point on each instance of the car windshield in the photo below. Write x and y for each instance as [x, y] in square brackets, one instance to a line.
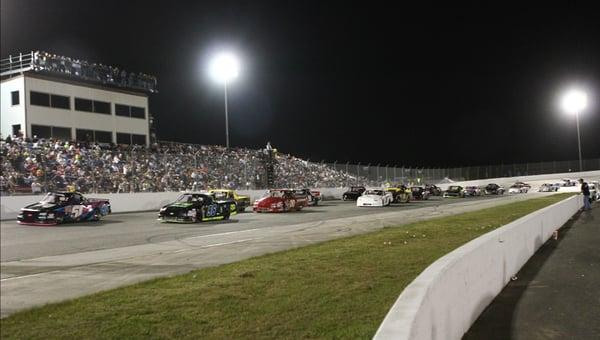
[517, 186]
[53, 198]
[374, 192]
[454, 188]
[189, 198]
[274, 193]
[471, 188]
[220, 195]
[356, 188]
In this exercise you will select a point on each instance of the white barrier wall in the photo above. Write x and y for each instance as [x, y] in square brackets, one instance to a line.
[446, 299]
[132, 202]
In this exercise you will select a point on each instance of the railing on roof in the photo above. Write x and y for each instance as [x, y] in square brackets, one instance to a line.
[16, 64]
[67, 67]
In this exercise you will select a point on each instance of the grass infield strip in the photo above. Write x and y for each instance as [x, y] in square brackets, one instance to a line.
[337, 289]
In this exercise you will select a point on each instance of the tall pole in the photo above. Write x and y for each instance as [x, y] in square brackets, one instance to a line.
[579, 142]
[226, 118]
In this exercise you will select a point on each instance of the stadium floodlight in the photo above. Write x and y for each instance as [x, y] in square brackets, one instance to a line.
[573, 102]
[223, 68]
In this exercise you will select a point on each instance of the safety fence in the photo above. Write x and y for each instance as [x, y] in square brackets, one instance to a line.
[402, 174]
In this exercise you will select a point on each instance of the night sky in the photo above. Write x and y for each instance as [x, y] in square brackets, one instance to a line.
[415, 86]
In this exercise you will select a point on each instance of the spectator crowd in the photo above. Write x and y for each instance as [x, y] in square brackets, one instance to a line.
[40, 165]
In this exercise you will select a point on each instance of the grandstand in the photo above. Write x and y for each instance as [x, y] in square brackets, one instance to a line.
[51, 96]
[40, 165]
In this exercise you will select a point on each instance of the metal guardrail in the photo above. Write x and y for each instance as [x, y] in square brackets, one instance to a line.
[16, 64]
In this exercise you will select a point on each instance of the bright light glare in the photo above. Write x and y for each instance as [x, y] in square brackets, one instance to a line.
[574, 101]
[224, 67]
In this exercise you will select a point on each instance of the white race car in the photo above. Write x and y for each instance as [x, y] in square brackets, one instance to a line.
[518, 189]
[375, 198]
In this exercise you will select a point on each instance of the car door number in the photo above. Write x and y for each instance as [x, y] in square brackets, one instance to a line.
[73, 210]
[211, 210]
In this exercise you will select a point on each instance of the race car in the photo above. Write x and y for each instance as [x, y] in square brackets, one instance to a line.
[313, 197]
[494, 189]
[518, 188]
[528, 186]
[60, 207]
[196, 207]
[279, 200]
[375, 198]
[241, 201]
[419, 193]
[353, 194]
[400, 193]
[567, 182]
[473, 191]
[454, 191]
[547, 187]
[433, 190]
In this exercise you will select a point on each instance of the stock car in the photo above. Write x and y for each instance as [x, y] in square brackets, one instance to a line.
[353, 194]
[400, 193]
[193, 207]
[494, 189]
[280, 200]
[473, 191]
[547, 187]
[518, 188]
[567, 182]
[241, 201]
[522, 184]
[419, 193]
[375, 198]
[313, 197]
[433, 190]
[454, 191]
[60, 207]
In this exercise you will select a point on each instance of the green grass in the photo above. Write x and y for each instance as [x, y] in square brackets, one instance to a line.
[336, 289]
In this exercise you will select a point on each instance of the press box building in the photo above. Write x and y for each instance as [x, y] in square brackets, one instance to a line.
[51, 96]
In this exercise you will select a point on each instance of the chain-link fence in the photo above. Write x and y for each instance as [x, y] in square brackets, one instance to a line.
[394, 174]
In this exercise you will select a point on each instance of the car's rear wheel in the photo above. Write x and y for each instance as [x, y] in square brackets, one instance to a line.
[96, 216]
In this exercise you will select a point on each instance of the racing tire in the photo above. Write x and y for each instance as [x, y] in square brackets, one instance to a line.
[226, 216]
[96, 216]
[344, 198]
[198, 215]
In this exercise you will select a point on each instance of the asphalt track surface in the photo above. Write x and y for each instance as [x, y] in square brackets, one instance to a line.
[50, 264]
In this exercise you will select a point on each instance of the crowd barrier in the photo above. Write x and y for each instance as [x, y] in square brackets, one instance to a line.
[446, 299]
[132, 202]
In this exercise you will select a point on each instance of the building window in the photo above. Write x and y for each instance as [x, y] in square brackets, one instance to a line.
[84, 135]
[61, 133]
[130, 111]
[138, 112]
[103, 136]
[101, 107]
[83, 105]
[60, 102]
[123, 138]
[122, 110]
[42, 131]
[39, 99]
[14, 95]
[138, 139]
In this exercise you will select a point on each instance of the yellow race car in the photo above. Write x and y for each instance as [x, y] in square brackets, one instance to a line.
[226, 194]
[401, 193]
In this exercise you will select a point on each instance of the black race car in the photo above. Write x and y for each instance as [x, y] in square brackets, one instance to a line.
[494, 189]
[354, 193]
[454, 191]
[59, 207]
[196, 207]
[433, 190]
[419, 193]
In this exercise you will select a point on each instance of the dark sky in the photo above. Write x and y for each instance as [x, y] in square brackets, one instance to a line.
[414, 86]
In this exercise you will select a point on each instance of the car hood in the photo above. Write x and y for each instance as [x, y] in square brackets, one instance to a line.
[370, 197]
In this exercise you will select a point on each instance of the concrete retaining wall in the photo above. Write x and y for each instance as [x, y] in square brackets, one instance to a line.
[132, 202]
[445, 300]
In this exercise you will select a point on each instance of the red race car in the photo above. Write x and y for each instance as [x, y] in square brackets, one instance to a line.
[280, 200]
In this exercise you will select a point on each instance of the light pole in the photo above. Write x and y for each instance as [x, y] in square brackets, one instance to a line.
[574, 101]
[224, 68]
